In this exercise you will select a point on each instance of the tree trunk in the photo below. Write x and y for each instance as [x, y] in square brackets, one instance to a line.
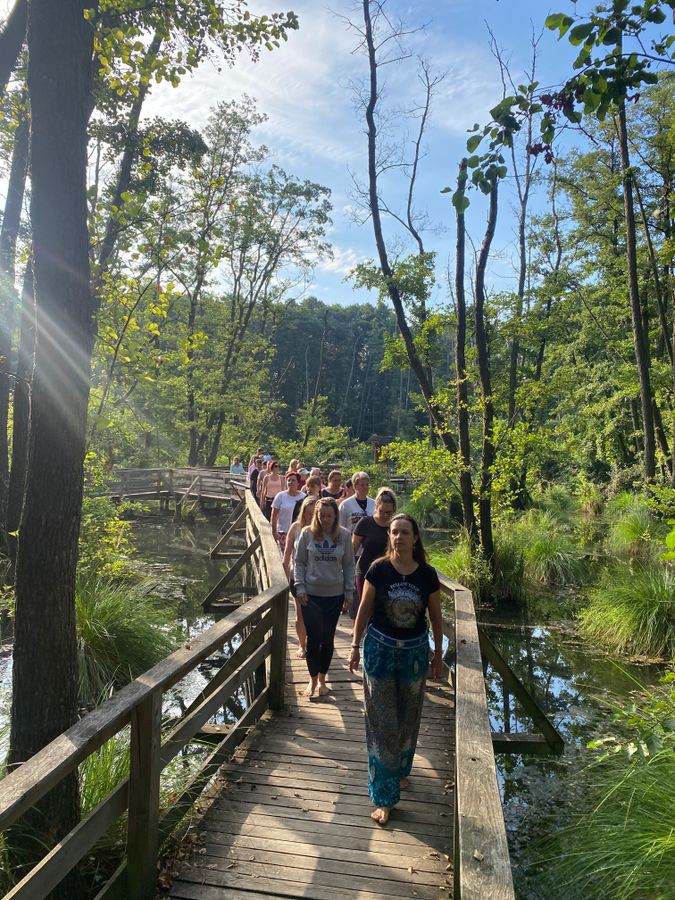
[640, 343]
[488, 454]
[12, 37]
[129, 154]
[416, 363]
[317, 383]
[8, 236]
[44, 690]
[465, 479]
[191, 411]
[21, 423]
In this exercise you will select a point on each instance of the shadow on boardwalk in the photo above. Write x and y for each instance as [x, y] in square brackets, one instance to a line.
[292, 818]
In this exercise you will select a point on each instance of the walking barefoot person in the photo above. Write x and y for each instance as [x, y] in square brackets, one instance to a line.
[304, 519]
[324, 581]
[399, 590]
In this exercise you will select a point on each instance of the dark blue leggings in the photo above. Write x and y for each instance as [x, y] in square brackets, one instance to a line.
[321, 616]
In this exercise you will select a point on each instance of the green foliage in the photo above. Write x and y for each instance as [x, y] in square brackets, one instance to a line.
[670, 542]
[414, 278]
[472, 569]
[462, 565]
[623, 845]
[327, 445]
[434, 469]
[632, 610]
[121, 632]
[590, 496]
[549, 552]
[634, 532]
[105, 537]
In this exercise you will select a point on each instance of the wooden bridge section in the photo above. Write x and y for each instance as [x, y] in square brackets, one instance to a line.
[292, 815]
[285, 785]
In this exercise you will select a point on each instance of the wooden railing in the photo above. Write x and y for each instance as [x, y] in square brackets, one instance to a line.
[260, 624]
[173, 482]
[482, 868]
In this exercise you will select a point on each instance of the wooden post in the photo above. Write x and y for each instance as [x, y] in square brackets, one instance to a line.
[143, 828]
[278, 657]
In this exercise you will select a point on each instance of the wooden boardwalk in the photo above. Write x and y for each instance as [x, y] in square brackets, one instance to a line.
[292, 816]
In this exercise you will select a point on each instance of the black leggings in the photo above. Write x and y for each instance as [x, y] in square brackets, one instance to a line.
[321, 616]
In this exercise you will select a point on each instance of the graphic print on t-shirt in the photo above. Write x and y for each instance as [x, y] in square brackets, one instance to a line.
[404, 604]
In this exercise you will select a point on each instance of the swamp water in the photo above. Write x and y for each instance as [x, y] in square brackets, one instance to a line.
[574, 682]
[174, 559]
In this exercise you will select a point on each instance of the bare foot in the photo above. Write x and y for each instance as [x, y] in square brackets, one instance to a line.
[381, 815]
[323, 689]
[310, 690]
[405, 784]
[300, 653]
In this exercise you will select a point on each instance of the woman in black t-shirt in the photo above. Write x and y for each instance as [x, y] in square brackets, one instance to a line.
[369, 539]
[400, 589]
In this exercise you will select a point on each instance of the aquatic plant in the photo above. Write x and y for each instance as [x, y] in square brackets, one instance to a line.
[121, 632]
[633, 611]
[549, 552]
[461, 565]
[623, 845]
[634, 532]
[559, 501]
[590, 496]
[473, 571]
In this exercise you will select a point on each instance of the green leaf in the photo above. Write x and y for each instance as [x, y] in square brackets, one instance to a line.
[473, 142]
[580, 32]
[460, 201]
[559, 21]
[612, 36]
[591, 102]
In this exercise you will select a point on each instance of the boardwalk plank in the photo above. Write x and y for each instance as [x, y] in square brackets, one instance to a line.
[292, 818]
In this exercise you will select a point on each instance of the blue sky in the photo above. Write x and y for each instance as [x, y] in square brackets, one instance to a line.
[314, 131]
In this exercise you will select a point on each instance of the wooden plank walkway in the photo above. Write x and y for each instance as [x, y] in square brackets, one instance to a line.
[293, 816]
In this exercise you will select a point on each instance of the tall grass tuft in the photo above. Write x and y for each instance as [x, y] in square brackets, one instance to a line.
[559, 501]
[633, 611]
[120, 634]
[623, 846]
[460, 564]
[473, 571]
[549, 552]
[634, 533]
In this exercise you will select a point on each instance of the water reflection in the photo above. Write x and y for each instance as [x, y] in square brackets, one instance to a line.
[174, 558]
[573, 682]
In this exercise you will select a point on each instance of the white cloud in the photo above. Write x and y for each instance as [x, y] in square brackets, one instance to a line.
[344, 259]
[298, 86]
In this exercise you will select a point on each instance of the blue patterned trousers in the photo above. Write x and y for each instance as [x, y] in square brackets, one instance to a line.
[393, 686]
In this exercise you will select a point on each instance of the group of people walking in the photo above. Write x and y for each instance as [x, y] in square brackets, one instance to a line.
[346, 552]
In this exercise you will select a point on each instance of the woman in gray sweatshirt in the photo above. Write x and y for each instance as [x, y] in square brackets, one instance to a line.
[324, 581]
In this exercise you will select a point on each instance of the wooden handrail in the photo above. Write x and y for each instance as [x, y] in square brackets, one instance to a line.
[24, 786]
[482, 867]
[261, 623]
